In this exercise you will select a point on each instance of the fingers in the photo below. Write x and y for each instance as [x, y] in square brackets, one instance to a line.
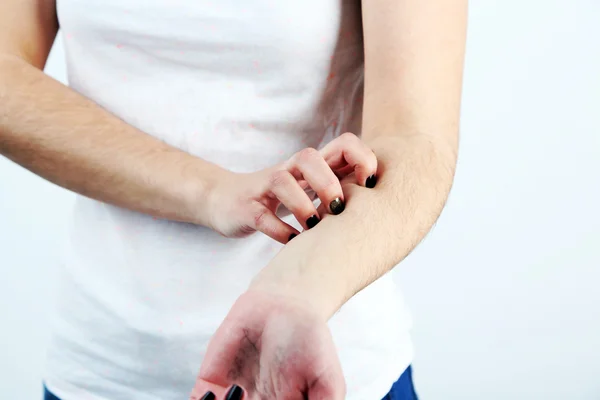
[348, 153]
[209, 396]
[291, 194]
[235, 392]
[309, 165]
[265, 221]
[322, 172]
[323, 169]
[204, 390]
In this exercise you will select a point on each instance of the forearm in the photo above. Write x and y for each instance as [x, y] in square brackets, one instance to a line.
[67, 139]
[414, 53]
[328, 264]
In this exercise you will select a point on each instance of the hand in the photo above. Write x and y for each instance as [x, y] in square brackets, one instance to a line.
[270, 347]
[242, 203]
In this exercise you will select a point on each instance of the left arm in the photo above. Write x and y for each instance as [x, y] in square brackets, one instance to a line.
[414, 53]
[275, 339]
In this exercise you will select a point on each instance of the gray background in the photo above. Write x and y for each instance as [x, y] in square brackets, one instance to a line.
[503, 290]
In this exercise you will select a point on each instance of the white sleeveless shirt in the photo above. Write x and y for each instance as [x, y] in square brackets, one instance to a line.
[240, 84]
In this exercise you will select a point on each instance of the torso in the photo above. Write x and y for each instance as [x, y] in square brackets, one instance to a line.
[244, 87]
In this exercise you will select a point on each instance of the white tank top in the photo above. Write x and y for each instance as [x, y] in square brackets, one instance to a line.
[241, 84]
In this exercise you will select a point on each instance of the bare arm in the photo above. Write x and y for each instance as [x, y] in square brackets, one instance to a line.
[67, 139]
[414, 51]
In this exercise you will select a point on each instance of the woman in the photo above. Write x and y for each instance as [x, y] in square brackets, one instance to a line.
[186, 126]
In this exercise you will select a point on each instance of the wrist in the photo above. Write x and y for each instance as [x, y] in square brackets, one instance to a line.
[312, 281]
[295, 294]
[201, 194]
[260, 301]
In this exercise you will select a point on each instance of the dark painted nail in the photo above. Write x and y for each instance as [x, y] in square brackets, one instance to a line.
[209, 396]
[235, 393]
[337, 206]
[371, 181]
[293, 235]
[312, 221]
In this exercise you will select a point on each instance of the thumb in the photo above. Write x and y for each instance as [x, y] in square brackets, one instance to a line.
[329, 385]
[323, 390]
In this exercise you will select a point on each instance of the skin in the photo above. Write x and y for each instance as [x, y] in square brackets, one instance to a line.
[65, 138]
[414, 51]
[244, 203]
[414, 54]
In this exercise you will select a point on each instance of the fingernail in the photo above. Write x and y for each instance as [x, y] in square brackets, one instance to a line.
[235, 393]
[312, 221]
[208, 396]
[293, 235]
[337, 206]
[371, 181]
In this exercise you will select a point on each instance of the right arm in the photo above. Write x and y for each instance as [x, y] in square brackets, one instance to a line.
[67, 139]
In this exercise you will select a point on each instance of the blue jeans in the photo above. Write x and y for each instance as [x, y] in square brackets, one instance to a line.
[403, 389]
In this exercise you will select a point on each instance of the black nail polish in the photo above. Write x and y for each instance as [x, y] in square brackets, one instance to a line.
[235, 393]
[293, 235]
[337, 206]
[208, 396]
[312, 221]
[371, 181]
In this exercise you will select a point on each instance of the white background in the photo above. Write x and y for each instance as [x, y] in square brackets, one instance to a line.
[504, 291]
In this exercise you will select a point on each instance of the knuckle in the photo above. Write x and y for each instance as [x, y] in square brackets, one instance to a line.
[332, 185]
[307, 154]
[279, 178]
[348, 136]
[259, 216]
[359, 166]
